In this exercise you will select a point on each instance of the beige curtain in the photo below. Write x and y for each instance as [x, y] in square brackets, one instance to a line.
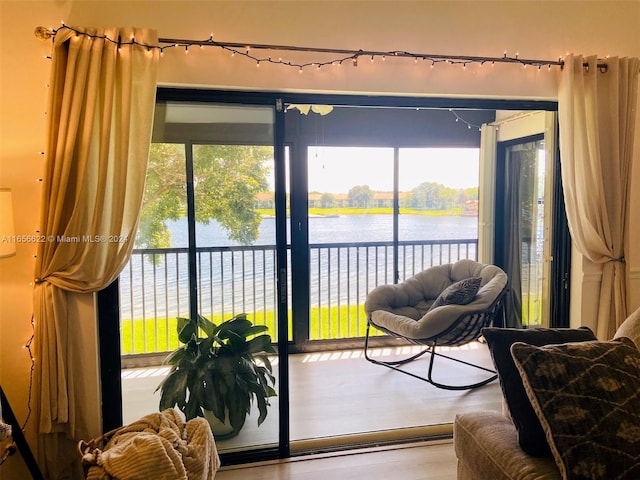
[596, 111]
[100, 113]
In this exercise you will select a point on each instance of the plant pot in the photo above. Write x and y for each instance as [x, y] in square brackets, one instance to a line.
[221, 430]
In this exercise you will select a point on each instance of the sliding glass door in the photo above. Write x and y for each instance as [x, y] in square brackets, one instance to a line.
[206, 248]
[292, 219]
[364, 216]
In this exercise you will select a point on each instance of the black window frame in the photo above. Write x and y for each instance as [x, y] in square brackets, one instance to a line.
[108, 314]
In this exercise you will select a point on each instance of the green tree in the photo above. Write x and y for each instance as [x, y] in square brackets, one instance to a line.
[432, 196]
[425, 195]
[471, 193]
[165, 194]
[326, 201]
[360, 196]
[226, 181]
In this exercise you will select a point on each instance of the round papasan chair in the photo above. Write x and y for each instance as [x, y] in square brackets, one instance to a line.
[444, 305]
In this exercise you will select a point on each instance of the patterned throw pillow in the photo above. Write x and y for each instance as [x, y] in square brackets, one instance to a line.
[587, 398]
[459, 293]
[531, 436]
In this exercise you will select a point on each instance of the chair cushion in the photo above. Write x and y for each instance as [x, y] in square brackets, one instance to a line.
[404, 309]
[459, 293]
[531, 436]
[587, 398]
[630, 328]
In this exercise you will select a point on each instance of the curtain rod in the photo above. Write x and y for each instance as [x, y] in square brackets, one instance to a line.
[244, 49]
[354, 54]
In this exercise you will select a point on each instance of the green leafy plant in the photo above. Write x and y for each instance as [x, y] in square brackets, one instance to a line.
[223, 372]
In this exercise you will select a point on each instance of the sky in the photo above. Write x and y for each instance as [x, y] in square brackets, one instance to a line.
[337, 169]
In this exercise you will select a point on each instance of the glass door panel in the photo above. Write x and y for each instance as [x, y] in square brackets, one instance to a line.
[206, 248]
[154, 286]
[236, 254]
[524, 226]
[438, 198]
[350, 218]
[235, 232]
[350, 235]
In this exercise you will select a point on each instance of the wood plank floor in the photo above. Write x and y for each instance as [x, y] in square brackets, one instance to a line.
[338, 395]
[415, 461]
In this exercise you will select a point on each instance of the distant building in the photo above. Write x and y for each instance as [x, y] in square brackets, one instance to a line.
[470, 208]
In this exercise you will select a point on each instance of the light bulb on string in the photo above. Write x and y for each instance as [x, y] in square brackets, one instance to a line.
[245, 50]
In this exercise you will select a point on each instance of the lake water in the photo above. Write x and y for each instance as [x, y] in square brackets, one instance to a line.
[343, 228]
[244, 281]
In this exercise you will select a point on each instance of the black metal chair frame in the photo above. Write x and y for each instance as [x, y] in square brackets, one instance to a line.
[467, 328]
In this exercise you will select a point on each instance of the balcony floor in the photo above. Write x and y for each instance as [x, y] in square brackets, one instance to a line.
[341, 398]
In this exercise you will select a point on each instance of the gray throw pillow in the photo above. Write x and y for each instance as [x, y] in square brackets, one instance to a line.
[459, 293]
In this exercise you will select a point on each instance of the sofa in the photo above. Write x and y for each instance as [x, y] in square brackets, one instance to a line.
[571, 408]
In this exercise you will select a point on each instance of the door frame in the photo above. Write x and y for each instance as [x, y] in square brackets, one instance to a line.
[108, 302]
[557, 256]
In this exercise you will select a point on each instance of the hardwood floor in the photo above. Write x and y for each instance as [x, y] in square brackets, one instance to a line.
[417, 461]
[339, 398]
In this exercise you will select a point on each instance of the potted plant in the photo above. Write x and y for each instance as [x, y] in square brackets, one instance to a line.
[220, 374]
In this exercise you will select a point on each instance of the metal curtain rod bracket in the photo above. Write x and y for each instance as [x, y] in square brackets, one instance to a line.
[244, 49]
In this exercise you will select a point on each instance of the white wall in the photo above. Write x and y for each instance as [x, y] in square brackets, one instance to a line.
[534, 29]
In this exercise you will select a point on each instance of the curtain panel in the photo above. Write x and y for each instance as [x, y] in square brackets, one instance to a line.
[596, 110]
[100, 115]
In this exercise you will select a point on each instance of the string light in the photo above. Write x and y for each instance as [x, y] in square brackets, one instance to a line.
[245, 50]
[27, 346]
[462, 120]
[11, 448]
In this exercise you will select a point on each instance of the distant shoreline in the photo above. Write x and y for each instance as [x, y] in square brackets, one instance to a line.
[336, 212]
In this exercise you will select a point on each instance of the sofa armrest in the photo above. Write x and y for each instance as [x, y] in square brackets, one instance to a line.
[486, 445]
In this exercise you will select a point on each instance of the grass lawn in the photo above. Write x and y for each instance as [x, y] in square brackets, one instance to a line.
[160, 335]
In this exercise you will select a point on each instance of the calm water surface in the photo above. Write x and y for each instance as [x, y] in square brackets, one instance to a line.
[343, 228]
[244, 281]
